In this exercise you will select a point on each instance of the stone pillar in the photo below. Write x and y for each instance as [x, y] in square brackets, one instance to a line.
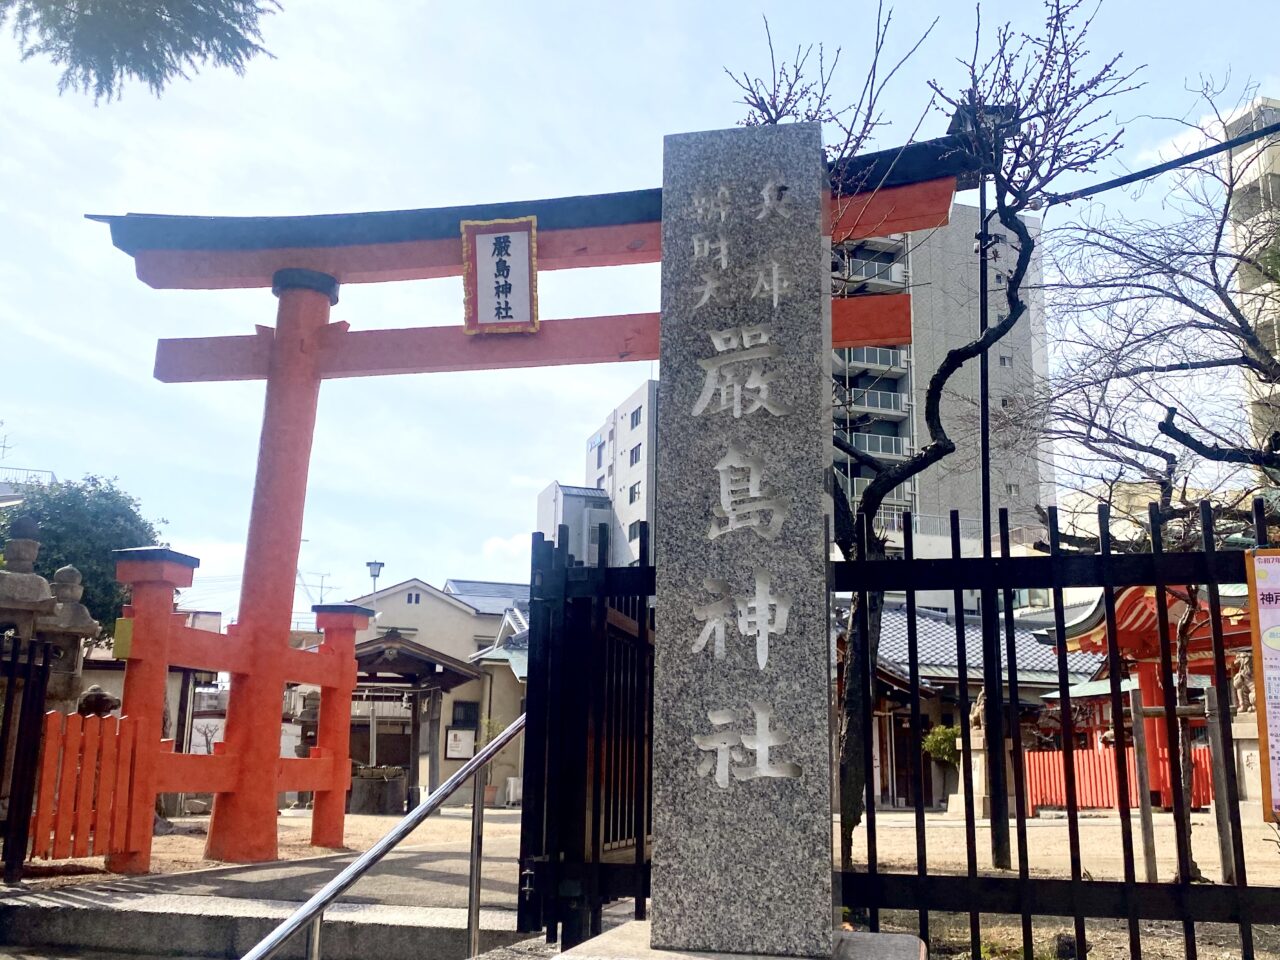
[742, 794]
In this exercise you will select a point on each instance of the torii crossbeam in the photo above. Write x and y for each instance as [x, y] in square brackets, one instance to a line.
[305, 259]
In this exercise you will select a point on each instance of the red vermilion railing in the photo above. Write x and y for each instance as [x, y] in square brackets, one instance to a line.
[1096, 778]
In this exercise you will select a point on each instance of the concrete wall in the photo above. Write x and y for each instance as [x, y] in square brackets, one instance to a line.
[945, 314]
[504, 701]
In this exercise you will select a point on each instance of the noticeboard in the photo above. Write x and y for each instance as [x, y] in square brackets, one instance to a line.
[1264, 601]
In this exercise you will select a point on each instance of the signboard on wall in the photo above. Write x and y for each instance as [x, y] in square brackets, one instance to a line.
[500, 275]
[459, 743]
[1264, 599]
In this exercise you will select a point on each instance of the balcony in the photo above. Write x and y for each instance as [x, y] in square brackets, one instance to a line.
[874, 273]
[886, 404]
[884, 362]
[889, 448]
[854, 487]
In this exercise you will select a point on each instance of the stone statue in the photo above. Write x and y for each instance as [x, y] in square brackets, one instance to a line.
[1242, 683]
[978, 710]
[96, 702]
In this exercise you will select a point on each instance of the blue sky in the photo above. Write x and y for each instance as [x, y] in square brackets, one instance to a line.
[388, 105]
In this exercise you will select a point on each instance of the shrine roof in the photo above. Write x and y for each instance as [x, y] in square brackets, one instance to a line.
[937, 653]
[133, 232]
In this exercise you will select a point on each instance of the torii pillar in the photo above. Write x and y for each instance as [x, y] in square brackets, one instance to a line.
[243, 825]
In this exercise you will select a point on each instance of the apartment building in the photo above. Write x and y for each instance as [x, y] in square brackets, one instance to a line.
[1255, 220]
[879, 392]
[619, 475]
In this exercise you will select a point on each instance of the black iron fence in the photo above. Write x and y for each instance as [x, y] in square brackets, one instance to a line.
[586, 817]
[1078, 896]
[24, 670]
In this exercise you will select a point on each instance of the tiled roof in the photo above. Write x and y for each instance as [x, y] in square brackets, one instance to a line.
[937, 651]
[486, 596]
[488, 588]
[514, 651]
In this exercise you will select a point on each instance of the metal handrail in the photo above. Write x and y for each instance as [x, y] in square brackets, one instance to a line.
[312, 912]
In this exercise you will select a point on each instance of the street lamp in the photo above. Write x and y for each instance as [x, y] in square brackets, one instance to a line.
[375, 570]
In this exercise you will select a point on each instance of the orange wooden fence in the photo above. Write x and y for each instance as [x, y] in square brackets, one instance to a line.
[1096, 778]
[82, 793]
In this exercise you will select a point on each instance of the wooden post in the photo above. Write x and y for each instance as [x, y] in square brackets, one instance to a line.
[340, 623]
[1144, 783]
[1218, 774]
[142, 640]
[415, 748]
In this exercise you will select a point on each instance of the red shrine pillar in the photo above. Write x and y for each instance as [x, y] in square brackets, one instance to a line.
[243, 826]
[1157, 742]
[340, 623]
[142, 641]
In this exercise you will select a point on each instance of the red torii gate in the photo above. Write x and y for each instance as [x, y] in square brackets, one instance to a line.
[305, 259]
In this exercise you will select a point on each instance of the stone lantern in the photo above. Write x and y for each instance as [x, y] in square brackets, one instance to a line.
[67, 628]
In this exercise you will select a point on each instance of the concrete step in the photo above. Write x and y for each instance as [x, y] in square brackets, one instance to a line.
[166, 924]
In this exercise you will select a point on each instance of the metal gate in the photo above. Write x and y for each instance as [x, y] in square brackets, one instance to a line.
[589, 701]
[24, 667]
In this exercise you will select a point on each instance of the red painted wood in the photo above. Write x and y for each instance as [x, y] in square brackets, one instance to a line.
[64, 818]
[103, 803]
[195, 773]
[47, 786]
[855, 322]
[871, 321]
[382, 262]
[879, 213]
[88, 777]
[917, 206]
[1096, 787]
[124, 786]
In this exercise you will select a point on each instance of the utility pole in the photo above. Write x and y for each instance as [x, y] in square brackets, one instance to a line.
[993, 675]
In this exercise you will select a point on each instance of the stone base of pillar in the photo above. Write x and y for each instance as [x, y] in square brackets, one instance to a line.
[981, 787]
[630, 941]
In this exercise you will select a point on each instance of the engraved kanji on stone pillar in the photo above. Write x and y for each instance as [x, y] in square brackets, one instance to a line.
[742, 795]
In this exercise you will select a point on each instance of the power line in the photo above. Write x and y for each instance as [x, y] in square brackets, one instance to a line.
[1165, 167]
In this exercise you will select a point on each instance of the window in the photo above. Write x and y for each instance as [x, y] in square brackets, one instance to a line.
[633, 494]
[999, 279]
[1012, 490]
[611, 434]
[600, 483]
[633, 531]
[635, 417]
[466, 713]
[1006, 360]
[600, 456]
[413, 598]
[635, 454]
[1005, 402]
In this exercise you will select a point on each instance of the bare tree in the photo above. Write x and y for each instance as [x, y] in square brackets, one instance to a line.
[1171, 320]
[208, 733]
[1165, 359]
[1028, 111]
